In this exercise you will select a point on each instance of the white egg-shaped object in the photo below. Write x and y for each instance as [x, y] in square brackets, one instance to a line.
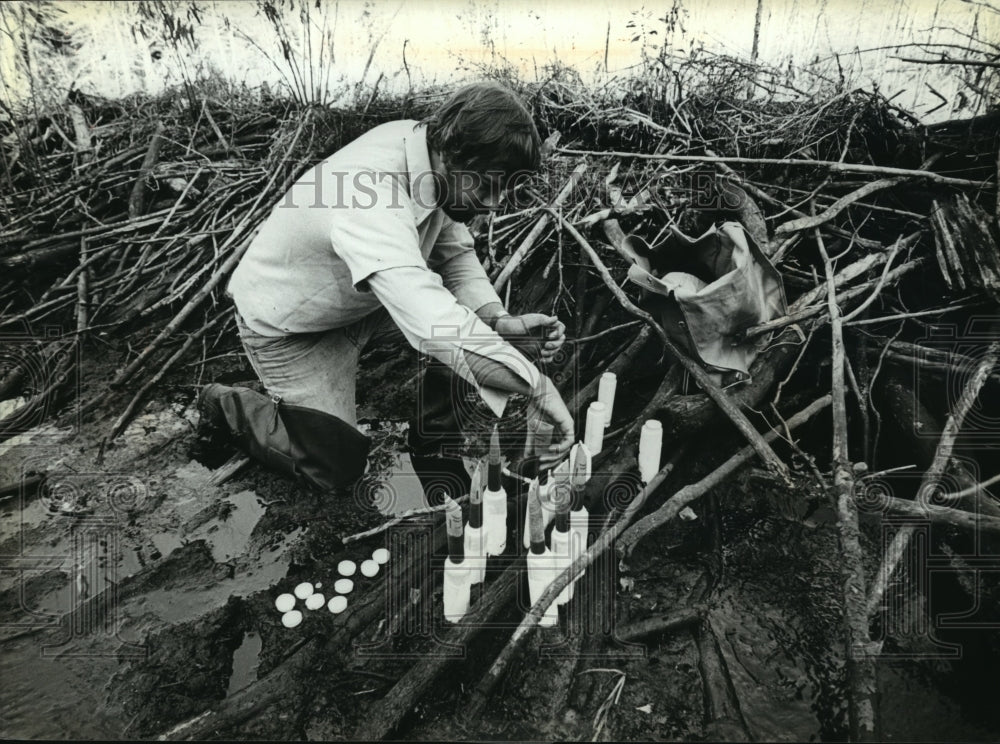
[343, 586]
[315, 601]
[347, 568]
[303, 590]
[291, 618]
[381, 556]
[284, 602]
[337, 604]
[369, 568]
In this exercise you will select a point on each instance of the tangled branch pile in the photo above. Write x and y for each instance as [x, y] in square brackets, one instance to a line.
[121, 223]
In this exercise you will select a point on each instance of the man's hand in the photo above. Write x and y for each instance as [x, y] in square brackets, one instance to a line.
[547, 404]
[536, 335]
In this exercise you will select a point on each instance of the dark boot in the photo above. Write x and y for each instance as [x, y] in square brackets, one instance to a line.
[435, 433]
[315, 447]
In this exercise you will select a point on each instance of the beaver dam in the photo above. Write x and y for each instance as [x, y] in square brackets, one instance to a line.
[815, 557]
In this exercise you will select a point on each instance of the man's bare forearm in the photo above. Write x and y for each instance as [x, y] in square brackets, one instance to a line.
[491, 373]
[490, 313]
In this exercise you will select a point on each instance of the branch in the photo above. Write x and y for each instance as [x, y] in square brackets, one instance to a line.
[832, 165]
[861, 686]
[807, 223]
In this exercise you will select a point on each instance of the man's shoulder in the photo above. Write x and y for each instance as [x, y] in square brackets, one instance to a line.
[389, 137]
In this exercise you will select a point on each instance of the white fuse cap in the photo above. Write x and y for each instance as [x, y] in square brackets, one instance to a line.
[315, 601]
[594, 433]
[606, 395]
[303, 590]
[650, 445]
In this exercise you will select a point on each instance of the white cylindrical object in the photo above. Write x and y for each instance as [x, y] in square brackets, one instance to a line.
[548, 509]
[495, 521]
[579, 531]
[343, 586]
[594, 432]
[560, 551]
[606, 395]
[650, 445]
[475, 552]
[337, 604]
[540, 575]
[291, 618]
[457, 590]
[380, 556]
[369, 568]
[577, 452]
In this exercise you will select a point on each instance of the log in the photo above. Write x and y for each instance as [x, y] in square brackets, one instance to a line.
[723, 717]
[666, 623]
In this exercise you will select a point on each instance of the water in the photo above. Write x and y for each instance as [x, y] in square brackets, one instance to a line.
[245, 661]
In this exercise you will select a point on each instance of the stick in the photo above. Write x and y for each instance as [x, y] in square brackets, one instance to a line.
[931, 481]
[696, 370]
[807, 223]
[82, 291]
[138, 195]
[979, 523]
[832, 165]
[223, 473]
[543, 220]
[860, 663]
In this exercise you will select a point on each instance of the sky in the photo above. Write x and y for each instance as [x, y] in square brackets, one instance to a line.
[399, 42]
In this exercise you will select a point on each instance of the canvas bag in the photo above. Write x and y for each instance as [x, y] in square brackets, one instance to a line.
[707, 291]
